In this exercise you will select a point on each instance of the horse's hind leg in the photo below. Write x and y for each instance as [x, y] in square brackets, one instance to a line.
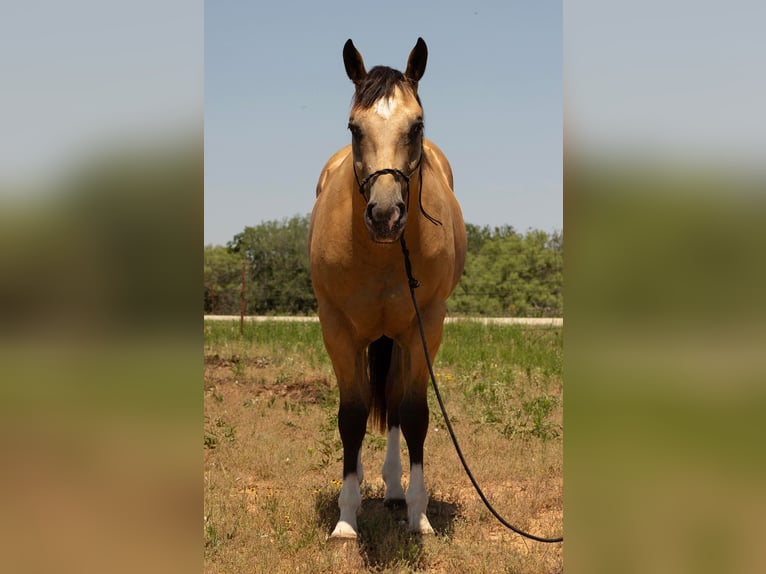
[413, 414]
[408, 413]
[392, 467]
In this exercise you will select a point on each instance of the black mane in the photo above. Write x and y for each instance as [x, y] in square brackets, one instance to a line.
[380, 82]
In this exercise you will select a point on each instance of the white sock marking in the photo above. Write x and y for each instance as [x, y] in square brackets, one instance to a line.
[417, 501]
[392, 467]
[349, 502]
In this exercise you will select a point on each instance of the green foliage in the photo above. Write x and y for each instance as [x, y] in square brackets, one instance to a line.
[476, 237]
[218, 431]
[510, 375]
[507, 273]
[223, 280]
[278, 263]
[496, 348]
[510, 274]
[532, 419]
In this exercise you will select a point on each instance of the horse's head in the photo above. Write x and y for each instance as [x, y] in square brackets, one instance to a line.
[386, 124]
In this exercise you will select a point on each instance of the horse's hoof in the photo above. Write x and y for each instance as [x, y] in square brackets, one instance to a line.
[394, 503]
[343, 531]
[342, 537]
[421, 526]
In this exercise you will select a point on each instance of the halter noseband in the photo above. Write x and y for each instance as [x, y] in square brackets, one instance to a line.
[387, 171]
[400, 174]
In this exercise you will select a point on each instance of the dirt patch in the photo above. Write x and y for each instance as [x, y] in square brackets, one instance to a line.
[233, 360]
[308, 391]
[259, 377]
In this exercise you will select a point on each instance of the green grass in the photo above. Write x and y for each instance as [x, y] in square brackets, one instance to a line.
[505, 374]
[273, 455]
[501, 350]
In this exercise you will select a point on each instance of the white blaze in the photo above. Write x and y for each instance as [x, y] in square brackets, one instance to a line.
[385, 107]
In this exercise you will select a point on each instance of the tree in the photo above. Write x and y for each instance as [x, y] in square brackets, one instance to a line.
[277, 257]
[476, 238]
[223, 277]
[506, 273]
[510, 274]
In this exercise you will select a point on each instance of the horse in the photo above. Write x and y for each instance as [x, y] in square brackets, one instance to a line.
[364, 208]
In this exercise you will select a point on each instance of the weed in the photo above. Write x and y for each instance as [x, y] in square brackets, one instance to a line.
[329, 446]
[237, 367]
[291, 407]
[538, 410]
[212, 435]
[490, 416]
[212, 537]
[532, 419]
[375, 442]
[210, 441]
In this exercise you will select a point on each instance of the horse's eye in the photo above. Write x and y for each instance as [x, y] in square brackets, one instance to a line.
[416, 129]
[356, 131]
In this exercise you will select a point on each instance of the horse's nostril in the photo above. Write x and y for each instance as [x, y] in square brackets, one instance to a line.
[369, 211]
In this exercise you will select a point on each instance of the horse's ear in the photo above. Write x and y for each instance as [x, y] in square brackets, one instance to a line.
[416, 64]
[354, 63]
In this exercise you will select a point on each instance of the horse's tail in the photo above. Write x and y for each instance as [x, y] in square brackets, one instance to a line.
[379, 359]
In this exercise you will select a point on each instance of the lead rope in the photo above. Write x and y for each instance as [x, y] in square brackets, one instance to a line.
[413, 284]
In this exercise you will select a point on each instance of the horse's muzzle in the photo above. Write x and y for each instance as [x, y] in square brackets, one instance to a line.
[385, 223]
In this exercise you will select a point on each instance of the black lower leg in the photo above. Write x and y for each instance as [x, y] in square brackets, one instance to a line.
[352, 424]
[393, 417]
[413, 416]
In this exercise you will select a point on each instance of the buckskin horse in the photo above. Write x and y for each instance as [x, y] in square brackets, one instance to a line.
[389, 191]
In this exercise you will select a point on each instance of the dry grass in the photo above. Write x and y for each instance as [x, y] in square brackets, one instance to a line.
[273, 470]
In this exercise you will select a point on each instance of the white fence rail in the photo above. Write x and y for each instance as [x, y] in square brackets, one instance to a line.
[533, 321]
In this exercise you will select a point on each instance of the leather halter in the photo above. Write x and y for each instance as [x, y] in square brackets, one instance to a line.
[388, 171]
[401, 175]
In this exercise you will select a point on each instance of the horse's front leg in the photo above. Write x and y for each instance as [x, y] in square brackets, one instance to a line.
[352, 423]
[350, 363]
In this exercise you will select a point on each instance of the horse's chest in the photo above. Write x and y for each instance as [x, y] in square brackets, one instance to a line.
[378, 287]
[372, 293]
[382, 309]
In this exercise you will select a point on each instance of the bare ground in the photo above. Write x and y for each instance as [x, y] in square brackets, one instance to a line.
[272, 478]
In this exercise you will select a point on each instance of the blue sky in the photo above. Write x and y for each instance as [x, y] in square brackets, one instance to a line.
[277, 101]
